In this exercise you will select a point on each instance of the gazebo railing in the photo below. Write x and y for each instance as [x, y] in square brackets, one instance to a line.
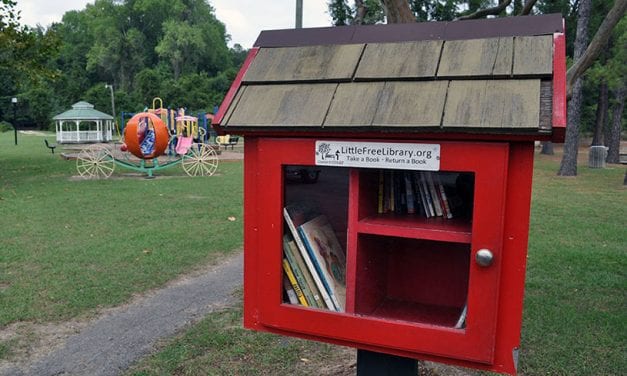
[83, 136]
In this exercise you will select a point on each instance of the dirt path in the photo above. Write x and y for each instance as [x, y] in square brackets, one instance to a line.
[109, 344]
[119, 337]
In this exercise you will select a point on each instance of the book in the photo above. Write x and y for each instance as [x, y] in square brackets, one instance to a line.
[399, 192]
[289, 290]
[445, 204]
[392, 191]
[386, 191]
[320, 303]
[461, 322]
[434, 194]
[295, 215]
[409, 193]
[425, 190]
[380, 193]
[328, 257]
[294, 283]
[302, 274]
[300, 279]
[439, 194]
[420, 195]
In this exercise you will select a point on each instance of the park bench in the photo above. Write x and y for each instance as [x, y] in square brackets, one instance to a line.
[50, 146]
[227, 141]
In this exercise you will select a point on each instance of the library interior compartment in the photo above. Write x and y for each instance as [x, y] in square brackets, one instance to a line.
[404, 266]
[414, 280]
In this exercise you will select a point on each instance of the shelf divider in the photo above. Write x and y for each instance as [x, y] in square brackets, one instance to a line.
[406, 226]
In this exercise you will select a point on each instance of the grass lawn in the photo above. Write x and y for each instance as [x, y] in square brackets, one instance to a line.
[71, 246]
[574, 318]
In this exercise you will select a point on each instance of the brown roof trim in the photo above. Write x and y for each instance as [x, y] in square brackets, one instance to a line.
[470, 29]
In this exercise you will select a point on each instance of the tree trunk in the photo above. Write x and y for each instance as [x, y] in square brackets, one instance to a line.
[547, 148]
[613, 155]
[398, 11]
[598, 151]
[360, 12]
[598, 42]
[601, 115]
[528, 7]
[502, 5]
[568, 166]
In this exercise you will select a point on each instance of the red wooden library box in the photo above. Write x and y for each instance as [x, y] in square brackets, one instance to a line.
[388, 182]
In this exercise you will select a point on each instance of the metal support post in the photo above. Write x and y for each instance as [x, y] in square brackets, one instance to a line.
[376, 364]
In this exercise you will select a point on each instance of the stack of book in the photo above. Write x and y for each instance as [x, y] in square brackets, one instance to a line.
[413, 192]
[314, 262]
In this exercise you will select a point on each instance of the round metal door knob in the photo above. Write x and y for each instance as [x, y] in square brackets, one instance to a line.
[484, 257]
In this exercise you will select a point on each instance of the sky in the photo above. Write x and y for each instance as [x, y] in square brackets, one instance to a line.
[244, 19]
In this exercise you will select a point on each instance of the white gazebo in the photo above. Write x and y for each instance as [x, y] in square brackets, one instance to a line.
[83, 124]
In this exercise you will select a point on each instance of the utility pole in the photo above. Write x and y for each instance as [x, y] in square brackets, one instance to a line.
[14, 105]
[299, 14]
[112, 100]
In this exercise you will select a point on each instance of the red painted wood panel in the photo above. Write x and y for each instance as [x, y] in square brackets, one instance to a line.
[559, 87]
[424, 331]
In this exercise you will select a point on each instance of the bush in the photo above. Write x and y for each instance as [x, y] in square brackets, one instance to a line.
[5, 127]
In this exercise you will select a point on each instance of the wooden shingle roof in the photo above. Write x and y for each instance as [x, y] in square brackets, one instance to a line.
[497, 79]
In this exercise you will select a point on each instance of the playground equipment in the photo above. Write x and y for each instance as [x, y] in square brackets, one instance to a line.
[147, 137]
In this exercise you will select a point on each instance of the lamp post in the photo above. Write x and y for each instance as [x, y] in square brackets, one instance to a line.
[299, 14]
[14, 105]
[110, 87]
[112, 105]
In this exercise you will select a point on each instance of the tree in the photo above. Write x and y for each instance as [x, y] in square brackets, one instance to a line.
[613, 154]
[480, 13]
[568, 165]
[340, 12]
[182, 45]
[24, 71]
[617, 75]
[599, 41]
[397, 11]
[365, 12]
[608, 73]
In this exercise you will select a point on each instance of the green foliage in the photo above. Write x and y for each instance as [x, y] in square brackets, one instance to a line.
[182, 45]
[24, 52]
[174, 49]
[9, 17]
[5, 127]
[40, 103]
[426, 10]
[340, 12]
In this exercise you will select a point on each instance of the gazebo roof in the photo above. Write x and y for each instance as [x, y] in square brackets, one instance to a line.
[83, 111]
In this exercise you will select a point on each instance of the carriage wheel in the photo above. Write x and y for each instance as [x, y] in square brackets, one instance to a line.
[95, 162]
[201, 160]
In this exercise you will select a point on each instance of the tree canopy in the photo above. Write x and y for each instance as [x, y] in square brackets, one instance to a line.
[175, 49]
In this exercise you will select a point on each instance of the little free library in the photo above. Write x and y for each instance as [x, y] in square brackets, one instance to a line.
[387, 182]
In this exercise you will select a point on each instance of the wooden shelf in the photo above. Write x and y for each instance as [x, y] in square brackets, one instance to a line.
[412, 226]
[416, 313]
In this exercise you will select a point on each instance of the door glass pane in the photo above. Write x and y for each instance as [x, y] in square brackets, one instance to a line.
[314, 236]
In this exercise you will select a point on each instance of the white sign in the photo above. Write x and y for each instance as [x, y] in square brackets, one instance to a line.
[378, 155]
